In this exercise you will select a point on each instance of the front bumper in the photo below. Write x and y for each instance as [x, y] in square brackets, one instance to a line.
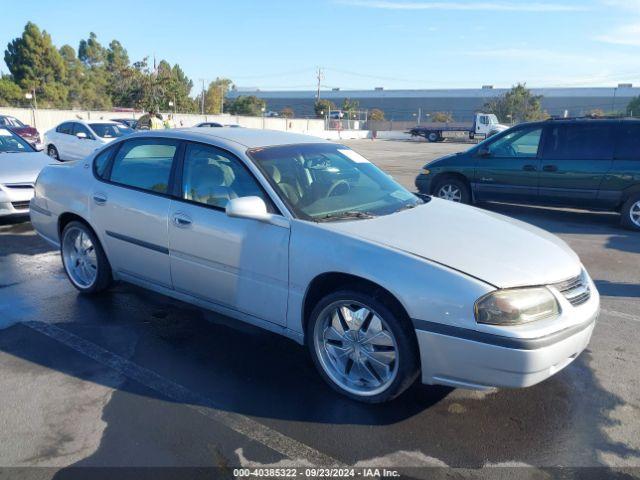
[423, 183]
[480, 362]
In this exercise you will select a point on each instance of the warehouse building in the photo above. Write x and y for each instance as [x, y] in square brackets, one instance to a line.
[409, 105]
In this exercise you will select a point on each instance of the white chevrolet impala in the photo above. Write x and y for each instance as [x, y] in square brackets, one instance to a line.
[308, 239]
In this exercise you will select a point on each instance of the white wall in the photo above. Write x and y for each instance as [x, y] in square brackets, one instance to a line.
[44, 120]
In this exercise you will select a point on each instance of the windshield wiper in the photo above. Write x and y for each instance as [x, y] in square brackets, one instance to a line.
[347, 214]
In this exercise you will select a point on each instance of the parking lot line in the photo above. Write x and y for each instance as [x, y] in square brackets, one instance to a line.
[290, 448]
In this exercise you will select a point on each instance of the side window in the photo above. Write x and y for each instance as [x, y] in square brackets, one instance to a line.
[628, 144]
[3, 121]
[101, 161]
[484, 120]
[212, 177]
[521, 144]
[66, 127]
[579, 142]
[78, 127]
[144, 164]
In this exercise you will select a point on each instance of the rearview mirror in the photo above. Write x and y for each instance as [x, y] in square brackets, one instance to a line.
[253, 208]
[484, 152]
[81, 135]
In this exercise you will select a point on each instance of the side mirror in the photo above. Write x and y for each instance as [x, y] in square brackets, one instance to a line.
[253, 208]
[81, 135]
[484, 152]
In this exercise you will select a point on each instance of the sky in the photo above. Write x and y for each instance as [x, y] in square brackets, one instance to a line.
[359, 44]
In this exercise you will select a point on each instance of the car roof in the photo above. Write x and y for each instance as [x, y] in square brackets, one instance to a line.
[247, 137]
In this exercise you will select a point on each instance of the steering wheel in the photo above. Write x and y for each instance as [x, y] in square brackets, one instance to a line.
[340, 183]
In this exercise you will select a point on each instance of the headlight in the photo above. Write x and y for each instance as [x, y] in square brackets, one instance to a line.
[425, 171]
[516, 306]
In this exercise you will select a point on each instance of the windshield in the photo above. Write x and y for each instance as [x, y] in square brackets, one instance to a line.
[326, 181]
[109, 130]
[10, 142]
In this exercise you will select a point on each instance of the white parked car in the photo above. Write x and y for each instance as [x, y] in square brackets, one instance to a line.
[76, 139]
[20, 165]
[308, 239]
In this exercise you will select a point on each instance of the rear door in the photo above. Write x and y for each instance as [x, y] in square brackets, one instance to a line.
[509, 170]
[625, 168]
[130, 208]
[61, 139]
[575, 159]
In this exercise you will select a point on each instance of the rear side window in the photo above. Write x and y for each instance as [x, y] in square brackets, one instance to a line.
[628, 142]
[144, 164]
[65, 128]
[578, 142]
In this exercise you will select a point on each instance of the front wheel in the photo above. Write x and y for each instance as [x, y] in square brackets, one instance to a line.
[631, 213]
[433, 137]
[83, 258]
[362, 347]
[453, 189]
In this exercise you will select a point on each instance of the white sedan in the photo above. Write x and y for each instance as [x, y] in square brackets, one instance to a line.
[76, 139]
[20, 165]
[308, 239]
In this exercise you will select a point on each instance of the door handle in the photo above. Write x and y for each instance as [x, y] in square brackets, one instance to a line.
[99, 199]
[529, 168]
[181, 220]
[550, 168]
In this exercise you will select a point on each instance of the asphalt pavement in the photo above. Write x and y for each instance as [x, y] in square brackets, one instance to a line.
[131, 378]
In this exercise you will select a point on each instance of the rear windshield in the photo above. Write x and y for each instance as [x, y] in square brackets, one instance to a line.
[108, 130]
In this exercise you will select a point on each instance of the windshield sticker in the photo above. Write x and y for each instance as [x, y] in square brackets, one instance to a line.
[355, 156]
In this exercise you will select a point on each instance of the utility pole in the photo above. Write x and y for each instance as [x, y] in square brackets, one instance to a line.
[320, 77]
[202, 97]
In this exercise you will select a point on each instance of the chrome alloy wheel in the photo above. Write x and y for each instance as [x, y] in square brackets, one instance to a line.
[634, 212]
[450, 192]
[79, 256]
[356, 348]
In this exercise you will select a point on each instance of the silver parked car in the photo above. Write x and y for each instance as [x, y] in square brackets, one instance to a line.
[308, 239]
[20, 165]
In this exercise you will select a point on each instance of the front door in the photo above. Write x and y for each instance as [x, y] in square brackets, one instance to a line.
[237, 263]
[508, 169]
[130, 209]
[575, 159]
[84, 146]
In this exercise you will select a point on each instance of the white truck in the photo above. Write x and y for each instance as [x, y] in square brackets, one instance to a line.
[483, 125]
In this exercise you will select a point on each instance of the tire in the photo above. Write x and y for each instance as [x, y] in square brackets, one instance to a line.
[433, 137]
[52, 151]
[630, 213]
[88, 271]
[385, 361]
[454, 189]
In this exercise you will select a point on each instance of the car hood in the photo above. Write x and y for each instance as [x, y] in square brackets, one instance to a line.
[22, 167]
[499, 250]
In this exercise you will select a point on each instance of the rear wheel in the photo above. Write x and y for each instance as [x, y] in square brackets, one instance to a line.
[362, 347]
[83, 258]
[453, 189]
[53, 152]
[631, 213]
[433, 136]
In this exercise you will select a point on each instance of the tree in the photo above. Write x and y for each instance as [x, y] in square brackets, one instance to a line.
[633, 108]
[247, 105]
[10, 93]
[376, 115]
[517, 105]
[441, 117]
[91, 52]
[35, 64]
[287, 112]
[322, 107]
[349, 105]
[215, 95]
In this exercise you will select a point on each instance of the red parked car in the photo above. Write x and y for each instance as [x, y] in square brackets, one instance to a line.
[30, 134]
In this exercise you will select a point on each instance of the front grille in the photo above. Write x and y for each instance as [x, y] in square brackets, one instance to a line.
[21, 205]
[575, 290]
